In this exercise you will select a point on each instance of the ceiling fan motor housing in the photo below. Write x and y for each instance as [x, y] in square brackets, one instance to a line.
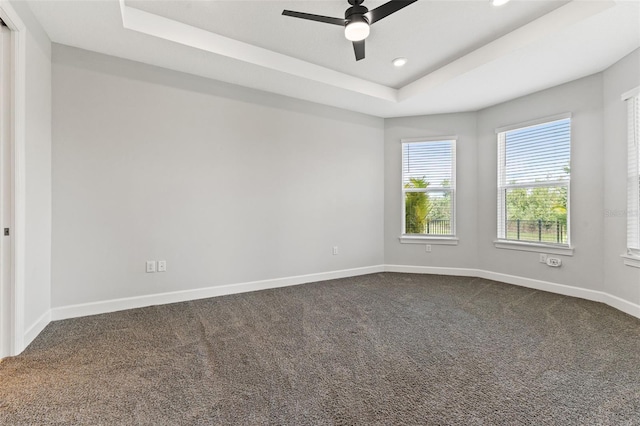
[356, 12]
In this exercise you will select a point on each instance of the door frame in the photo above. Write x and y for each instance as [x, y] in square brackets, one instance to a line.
[12, 325]
[6, 190]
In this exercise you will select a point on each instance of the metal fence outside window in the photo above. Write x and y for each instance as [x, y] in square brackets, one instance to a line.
[537, 230]
[438, 227]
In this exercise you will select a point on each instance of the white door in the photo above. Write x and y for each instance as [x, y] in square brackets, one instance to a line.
[6, 185]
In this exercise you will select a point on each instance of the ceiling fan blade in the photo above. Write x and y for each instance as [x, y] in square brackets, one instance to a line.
[317, 18]
[386, 9]
[358, 48]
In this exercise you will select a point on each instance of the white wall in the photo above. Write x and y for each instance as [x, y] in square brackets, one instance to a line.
[619, 280]
[582, 98]
[227, 184]
[37, 285]
[464, 255]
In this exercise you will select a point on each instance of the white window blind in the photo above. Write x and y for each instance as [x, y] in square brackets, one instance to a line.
[633, 179]
[533, 182]
[428, 187]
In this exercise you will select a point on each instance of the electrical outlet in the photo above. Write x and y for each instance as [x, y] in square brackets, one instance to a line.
[335, 250]
[543, 258]
[554, 261]
[151, 266]
[162, 266]
[427, 248]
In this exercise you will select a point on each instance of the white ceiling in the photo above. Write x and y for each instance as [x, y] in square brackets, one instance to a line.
[463, 55]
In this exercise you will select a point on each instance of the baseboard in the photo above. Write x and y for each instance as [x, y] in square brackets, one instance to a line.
[565, 290]
[35, 329]
[114, 305]
[433, 270]
[622, 305]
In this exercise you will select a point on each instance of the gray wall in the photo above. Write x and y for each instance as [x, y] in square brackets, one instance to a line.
[464, 255]
[598, 167]
[619, 280]
[583, 98]
[37, 288]
[232, 185]
[226, 184]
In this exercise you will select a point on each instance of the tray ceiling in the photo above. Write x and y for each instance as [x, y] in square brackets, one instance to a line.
[463, 55]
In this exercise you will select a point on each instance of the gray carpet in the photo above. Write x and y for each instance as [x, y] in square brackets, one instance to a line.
[387, 349]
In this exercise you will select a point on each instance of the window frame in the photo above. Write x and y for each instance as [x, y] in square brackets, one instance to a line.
[632, 254]
[436, 239]
[535, 246]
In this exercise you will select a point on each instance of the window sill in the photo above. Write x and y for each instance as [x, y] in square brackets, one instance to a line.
[415, 239]
[534, 247]
[631, 260]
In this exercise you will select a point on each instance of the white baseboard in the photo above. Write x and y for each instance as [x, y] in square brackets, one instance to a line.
[432, 270]
[35, 329]
[622, 305]
[566, 290]
[114, 305]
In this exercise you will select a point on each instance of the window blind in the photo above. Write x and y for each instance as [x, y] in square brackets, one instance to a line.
[431, 161]
[533, 182]
[428, 186]
[538, 153]
[633, 179]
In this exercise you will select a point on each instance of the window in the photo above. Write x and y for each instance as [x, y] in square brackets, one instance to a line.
[428, 188]
[534, 173]
[633, 175]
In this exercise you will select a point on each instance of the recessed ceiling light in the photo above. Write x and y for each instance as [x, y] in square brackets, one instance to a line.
[499, 2]
[399, 62]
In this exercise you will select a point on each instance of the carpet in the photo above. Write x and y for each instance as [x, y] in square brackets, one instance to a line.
[380, 349]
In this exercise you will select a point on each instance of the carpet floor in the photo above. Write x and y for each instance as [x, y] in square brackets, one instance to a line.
[381, 349]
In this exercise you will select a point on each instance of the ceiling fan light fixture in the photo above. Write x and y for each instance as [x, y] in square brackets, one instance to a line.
[499, 2]
[357, 29]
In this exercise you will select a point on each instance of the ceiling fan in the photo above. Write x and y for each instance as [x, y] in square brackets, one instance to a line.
[357, 20]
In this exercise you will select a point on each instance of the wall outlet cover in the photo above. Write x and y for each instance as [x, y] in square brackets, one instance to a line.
[554, 262]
